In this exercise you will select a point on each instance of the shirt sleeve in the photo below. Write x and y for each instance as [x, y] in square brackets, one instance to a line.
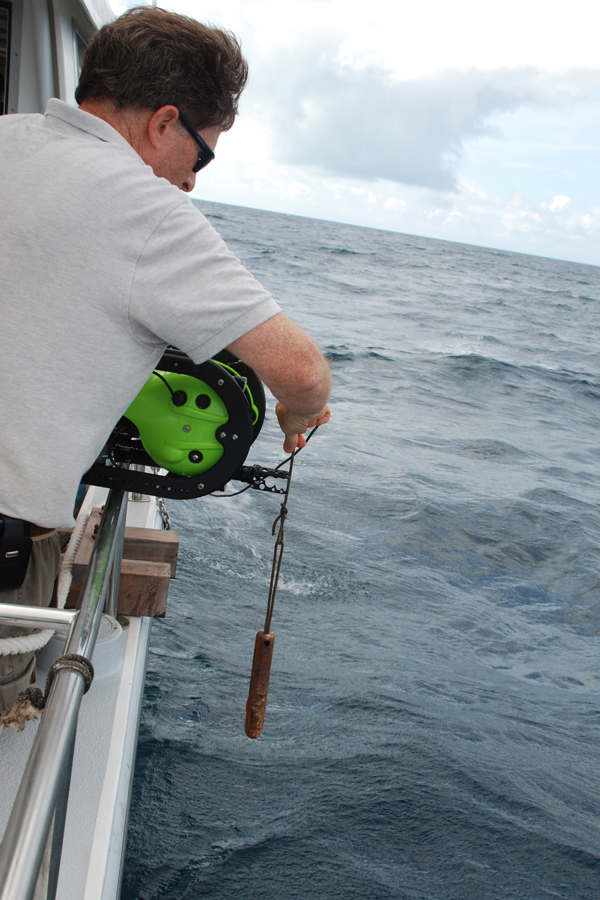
[191, 291]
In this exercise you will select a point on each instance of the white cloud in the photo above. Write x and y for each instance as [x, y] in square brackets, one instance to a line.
[416, 39]
[367, 124]
[463, 120]
[560, 203]
[471, 215]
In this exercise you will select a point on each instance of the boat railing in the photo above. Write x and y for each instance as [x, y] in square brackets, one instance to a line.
[32, 844]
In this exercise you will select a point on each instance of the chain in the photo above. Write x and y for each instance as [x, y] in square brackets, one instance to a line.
[164, 514]
[279, 547]
[279, 542]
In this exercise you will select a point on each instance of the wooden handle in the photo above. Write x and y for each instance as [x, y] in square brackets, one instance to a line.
[259, 684]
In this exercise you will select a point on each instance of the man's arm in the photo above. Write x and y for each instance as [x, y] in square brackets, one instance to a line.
[294, 369]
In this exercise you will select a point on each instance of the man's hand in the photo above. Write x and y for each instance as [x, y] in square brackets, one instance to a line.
[294, 426]
[296, 372]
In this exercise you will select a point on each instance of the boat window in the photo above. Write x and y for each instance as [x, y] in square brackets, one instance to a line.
[80, 46]
[4, 54]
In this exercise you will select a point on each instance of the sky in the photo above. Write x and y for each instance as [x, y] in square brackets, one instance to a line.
[476, 122]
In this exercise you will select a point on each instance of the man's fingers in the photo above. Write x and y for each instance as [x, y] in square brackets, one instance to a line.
[323, 420]
[288, 422]
[294, 442]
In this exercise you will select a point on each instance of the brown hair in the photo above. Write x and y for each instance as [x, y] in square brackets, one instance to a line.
[148, 58]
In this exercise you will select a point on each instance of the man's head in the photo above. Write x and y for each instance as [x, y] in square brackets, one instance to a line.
[148, 58]
[150, 65]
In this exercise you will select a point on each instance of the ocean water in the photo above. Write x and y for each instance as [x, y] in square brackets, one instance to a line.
[433, 721]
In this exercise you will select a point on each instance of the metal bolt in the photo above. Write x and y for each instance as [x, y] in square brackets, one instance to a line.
[200, 486]
[222, 434]
[234, 437]
[220, 382]
[187, 427]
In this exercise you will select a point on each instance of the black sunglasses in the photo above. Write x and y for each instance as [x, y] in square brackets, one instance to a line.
[206, 155]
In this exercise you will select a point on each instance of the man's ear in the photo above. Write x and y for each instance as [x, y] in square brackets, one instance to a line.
[161, 125]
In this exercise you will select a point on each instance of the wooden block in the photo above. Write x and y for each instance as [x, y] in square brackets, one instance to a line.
[149, 544]
[73, 595]
[149, 562]
[84, 551]
[143, 589]
[152, 545]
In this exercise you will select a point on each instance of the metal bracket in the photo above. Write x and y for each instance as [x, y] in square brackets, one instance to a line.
[256, 477]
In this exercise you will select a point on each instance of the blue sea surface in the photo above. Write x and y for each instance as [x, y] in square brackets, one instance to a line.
[433, 723]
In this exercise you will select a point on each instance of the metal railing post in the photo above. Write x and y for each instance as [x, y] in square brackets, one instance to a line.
[47, 881]
[112, 595]
[27, 831]
[37, 617]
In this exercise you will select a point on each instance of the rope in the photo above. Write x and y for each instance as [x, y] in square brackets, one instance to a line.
[73, 661]
[279, 547]
[29, 643]
[65, 576]
[279, 543]
[297, 451]
[31, 702]
[235, 494]
[282, 463]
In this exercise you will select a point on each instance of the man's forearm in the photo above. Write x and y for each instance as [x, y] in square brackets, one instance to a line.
[307, 397]
[294, 369]
[289, 363]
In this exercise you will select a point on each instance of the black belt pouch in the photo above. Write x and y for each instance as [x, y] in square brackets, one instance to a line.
[15, 551]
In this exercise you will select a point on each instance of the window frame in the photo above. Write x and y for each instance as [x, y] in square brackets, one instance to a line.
[9, 10]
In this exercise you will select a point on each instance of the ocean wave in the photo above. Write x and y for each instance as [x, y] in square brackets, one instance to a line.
[481, 449]
[345, 354]
[339, 354]
[433, 713]
[345, 251]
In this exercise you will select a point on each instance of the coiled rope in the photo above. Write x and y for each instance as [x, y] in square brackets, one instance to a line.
[31, 702]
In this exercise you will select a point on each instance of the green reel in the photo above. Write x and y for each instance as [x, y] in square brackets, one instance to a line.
[196, 421]
[177, 417]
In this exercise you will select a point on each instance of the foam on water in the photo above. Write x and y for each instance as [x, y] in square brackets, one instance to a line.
[433, 722]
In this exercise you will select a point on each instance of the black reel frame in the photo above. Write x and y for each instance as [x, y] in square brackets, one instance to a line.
[124, 447]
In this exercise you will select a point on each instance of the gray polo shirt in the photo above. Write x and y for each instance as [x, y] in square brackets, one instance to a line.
[102, 264]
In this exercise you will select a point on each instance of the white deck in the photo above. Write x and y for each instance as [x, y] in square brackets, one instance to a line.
[104, 757]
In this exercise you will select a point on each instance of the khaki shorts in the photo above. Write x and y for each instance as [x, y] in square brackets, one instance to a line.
[17, 671]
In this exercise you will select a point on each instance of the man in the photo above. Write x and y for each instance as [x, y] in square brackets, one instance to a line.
[105, 261]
